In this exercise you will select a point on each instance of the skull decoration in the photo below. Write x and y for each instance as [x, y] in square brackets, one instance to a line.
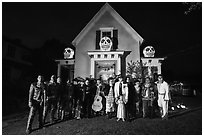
[148, 51]
[105, 44]
[68, 53]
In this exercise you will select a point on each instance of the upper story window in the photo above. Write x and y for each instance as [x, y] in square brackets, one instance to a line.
[109, 32]
[106, 32]
[11, 51]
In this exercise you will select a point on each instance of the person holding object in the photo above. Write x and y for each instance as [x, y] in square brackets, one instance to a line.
[163, 96]
[99, 101]
[36, 100]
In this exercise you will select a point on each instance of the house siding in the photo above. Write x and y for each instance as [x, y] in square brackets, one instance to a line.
[125, 42]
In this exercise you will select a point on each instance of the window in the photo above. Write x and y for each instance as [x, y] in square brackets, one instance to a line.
[108, 32]
[11, 51]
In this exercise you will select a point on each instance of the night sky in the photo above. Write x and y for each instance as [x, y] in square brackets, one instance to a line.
[163, 25]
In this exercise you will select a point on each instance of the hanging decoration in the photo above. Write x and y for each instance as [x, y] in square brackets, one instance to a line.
[149, 51]
[68, 53]
[105, 44]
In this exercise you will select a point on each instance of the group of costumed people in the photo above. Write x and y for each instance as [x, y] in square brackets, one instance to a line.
[125, 99]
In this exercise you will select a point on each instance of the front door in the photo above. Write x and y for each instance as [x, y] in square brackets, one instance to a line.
[67, 73]
[104, 69]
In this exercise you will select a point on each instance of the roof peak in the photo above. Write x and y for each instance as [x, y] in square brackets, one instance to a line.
[106, 7]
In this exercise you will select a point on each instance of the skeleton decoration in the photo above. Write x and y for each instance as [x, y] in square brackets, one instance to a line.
[148, 51]
[68, 53]
[105, 44]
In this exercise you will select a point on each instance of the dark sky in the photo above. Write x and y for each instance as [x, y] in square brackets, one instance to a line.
[162, 25]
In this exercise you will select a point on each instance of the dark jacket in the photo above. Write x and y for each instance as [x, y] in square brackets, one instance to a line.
[36, 92]
[52, 92]
[107, 89]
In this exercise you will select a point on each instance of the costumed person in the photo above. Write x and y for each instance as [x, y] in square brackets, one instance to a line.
[137, 98]
[87, 99]
[52, 95]
[35, 102]
[121, 89]
[148, 97]
[79, 97]
[75, 96]
[110, 101]
[163, 96]
[69, 98]
[130, 104]
[61, 99]
[120, 109]
[99, 99]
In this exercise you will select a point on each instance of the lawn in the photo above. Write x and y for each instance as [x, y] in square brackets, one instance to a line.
[186, 123]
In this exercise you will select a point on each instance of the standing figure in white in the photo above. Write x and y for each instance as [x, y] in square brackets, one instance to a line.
[163, 96]
[121, 109]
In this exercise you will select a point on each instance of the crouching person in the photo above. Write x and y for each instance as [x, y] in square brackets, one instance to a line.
[36, 96]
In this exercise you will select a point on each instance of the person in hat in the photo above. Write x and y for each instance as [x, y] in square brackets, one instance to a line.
[110, 100]
[79, 99]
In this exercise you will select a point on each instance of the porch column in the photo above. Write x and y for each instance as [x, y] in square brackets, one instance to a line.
[58, 70]
[159, 69]
[118, 65]
[92, 68]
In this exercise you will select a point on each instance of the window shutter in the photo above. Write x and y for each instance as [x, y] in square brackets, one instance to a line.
[98, 36]
[115, 39]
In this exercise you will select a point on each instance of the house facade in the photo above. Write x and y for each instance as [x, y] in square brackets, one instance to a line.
[105, 45]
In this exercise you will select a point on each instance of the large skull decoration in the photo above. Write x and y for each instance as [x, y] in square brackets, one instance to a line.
[68, 53]
[105, 44]
[148, 51]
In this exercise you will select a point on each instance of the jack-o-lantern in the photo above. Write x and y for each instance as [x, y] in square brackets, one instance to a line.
[105, 44]
[68, 53]
[149, 51]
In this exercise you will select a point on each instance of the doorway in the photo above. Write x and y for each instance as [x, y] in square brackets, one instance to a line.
[104, 69]
[65, 73]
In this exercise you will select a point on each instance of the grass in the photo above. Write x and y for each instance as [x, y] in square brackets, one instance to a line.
[186, 124]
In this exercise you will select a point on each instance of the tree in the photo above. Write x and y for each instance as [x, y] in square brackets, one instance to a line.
[191, 6]
[44, 57]
[134, 69]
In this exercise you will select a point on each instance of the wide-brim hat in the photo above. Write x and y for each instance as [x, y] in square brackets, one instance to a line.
[79, 79]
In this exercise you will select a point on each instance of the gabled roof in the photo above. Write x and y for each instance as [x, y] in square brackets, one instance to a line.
[99, 14]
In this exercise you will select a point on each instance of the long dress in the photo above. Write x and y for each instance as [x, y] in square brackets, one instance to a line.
[110, 101]
[121, 109]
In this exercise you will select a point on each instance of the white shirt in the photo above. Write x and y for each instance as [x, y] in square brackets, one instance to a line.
[163, 88]
[124, 90]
